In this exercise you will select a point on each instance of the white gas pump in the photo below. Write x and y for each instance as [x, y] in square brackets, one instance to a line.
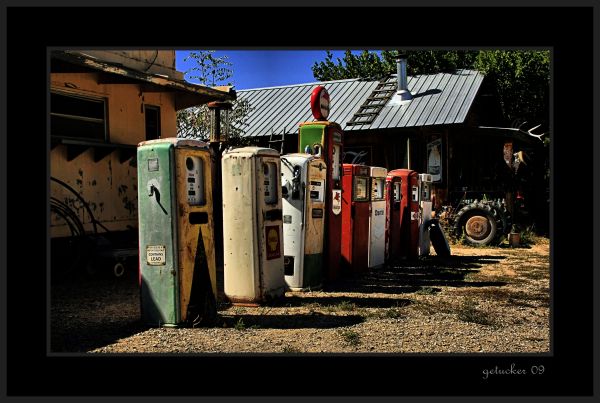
[377, 217]
[425, 207]
[303, 200]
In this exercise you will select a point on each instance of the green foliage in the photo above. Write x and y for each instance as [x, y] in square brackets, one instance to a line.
[426, 290]
[346, 306]
[209, 70]
[468, 312]
[194, 122]
[240, 325]
[370, 65]
[521, 81]
[351, 337]
[392, 313]
[521, 78]
[290, 349]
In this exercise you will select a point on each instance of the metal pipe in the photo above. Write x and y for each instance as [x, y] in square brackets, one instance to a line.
[408, 152]
[402, 79]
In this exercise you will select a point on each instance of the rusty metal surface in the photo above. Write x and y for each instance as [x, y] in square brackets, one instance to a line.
[188, 233]
[477, 227]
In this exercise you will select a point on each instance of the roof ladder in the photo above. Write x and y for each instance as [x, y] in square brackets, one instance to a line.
[370, 109]
[281, 141]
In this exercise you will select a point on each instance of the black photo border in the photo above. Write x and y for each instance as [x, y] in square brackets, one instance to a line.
[568, 31]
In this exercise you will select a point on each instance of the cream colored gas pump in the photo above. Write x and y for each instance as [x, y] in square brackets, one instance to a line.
[252, 225]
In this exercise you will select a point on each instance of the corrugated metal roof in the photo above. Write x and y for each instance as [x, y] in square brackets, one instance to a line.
[438, 99]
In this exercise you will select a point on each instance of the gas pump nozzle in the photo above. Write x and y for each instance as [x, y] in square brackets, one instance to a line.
[296, 183]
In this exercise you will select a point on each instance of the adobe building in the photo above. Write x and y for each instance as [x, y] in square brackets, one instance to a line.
[102, 103]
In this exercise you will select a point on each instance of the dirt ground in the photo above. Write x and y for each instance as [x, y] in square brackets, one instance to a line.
[478, 300]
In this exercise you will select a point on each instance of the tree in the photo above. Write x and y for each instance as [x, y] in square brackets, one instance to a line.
[521, 78]
[370, 65]
[521, 82]
[194, 122]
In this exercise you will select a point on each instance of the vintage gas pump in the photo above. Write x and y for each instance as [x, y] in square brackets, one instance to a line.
[176, 232]
[328, 137]
[355, 217]
[303, 199]
[403, 227]
[377, 217]
[424, 213]
[252, 225]
[393, 197]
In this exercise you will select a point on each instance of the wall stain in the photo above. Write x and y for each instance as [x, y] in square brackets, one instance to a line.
[110, 175]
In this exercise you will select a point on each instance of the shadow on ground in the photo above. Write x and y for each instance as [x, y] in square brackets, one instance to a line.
[92, 312]
[88, 313]
[413, 276]
[313, 320]
[340, 302]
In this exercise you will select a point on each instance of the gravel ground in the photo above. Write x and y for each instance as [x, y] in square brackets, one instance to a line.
[478, 300]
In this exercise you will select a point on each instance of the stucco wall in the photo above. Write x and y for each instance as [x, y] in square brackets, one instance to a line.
[109, 186]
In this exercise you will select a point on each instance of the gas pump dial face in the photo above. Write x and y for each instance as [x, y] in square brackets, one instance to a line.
[319, 103]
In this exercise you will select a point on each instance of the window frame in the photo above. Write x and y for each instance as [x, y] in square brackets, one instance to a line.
[88, 98]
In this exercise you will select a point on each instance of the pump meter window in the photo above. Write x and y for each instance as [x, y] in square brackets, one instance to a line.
[397, 191]
[270, 182]
[425, 194]
[360, 189]
[194, 181]
[377, 189]
[335, 164]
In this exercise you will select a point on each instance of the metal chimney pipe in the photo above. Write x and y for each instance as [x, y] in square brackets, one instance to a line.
[403, 91]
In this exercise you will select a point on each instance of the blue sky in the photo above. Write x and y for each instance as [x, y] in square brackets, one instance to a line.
[266, 68]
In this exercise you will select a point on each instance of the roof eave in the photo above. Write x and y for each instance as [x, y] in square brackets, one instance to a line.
[187, 94]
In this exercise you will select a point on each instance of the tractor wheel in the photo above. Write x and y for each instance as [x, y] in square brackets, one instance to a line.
[478, 223]
[504, 217]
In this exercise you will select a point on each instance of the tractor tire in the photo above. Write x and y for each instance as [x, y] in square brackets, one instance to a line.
[438, 239]
[479, 223]
[504, 217]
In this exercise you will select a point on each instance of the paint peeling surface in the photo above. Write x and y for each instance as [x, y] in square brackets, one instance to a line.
[253, 265]
[207, 94]
[195, 223]
[169, 217]
[107, 186]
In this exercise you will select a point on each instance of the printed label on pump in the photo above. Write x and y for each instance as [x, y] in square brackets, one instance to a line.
[273, 242]
[156, 255]
[336, 205]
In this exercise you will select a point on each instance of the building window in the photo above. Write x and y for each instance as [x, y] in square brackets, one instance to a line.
[152, 122]
[77, 117]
